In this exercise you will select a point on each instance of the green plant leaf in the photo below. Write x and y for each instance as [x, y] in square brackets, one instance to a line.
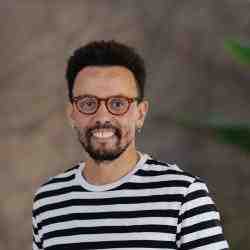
[234, 134]
[224, 131]
[238, 50]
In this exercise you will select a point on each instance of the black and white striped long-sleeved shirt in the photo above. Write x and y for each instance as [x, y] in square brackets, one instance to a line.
[155, 206]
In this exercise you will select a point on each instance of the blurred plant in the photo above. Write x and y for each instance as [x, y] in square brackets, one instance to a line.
[225, 131]
[238, 50]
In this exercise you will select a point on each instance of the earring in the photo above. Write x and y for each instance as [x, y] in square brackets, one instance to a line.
[138, 129]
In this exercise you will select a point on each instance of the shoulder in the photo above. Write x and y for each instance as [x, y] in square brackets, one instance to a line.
[188, 185]
[155, 167]
[57, 182]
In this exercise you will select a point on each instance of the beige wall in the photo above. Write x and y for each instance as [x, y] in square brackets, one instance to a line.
[188, 72]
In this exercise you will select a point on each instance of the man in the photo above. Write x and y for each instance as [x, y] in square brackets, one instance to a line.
[119, 198]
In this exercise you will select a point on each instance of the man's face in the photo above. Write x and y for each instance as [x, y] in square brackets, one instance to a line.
[105, 136]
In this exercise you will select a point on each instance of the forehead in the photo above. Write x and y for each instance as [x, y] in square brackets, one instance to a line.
[105, 81]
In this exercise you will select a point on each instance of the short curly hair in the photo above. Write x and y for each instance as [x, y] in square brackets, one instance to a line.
[106, 53]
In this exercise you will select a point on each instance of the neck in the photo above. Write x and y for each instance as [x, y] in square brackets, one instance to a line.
[100, 173]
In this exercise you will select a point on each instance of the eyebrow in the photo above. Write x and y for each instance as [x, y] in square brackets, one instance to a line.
[86, 94]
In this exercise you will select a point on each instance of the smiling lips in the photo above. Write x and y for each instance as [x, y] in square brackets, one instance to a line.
[103, 133]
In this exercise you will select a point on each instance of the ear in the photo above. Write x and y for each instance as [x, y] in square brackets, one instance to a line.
[69, 113]
[143, 108]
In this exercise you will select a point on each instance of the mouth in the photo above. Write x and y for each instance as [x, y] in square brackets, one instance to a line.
[103, 133]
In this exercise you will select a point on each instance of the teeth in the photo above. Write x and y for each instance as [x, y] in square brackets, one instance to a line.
[103, 134]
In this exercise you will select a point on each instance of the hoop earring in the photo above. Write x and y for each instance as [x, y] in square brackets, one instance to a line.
[138, 130]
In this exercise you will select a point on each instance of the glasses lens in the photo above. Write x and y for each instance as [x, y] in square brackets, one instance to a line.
[117, 105]
[87, 104]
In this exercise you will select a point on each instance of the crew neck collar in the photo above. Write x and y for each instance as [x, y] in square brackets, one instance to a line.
[91, 187]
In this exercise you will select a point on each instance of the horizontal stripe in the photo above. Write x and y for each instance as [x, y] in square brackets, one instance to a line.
[103, 209]
[112, 194]
[159, 176]
[199, 226]
[196, 194]
[61, 179]
[221, 245]
[167, 245]
[58, 191]
[200, 218]
[130, 185]
[86, 231]
[108, 201]
[147, 171]
[202, 242]
[196, 203]
[197, 210]
[62, 175]
[64, 222]
[204, 233]
[154, 162]
[128, 237]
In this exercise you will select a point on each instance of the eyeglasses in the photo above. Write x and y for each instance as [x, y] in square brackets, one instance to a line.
[116, 105]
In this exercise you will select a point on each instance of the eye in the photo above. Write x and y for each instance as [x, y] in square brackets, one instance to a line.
[87, 103]
[117, 103]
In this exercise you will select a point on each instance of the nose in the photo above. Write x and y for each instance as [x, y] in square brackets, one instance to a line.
[102, 114]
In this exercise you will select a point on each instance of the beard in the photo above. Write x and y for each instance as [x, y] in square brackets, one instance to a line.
[102, 151]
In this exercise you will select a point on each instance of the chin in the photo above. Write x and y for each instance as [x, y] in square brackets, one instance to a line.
[106, 155]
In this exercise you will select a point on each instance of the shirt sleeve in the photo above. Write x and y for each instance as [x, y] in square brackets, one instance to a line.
[36, 241]
[199, 226]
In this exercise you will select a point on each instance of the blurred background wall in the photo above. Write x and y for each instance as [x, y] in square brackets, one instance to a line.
[189, 72]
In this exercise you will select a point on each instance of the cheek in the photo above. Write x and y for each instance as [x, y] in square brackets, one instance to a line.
[128, 127]
[80, 121]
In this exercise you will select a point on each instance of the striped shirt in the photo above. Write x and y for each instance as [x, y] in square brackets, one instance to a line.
[154, 206]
